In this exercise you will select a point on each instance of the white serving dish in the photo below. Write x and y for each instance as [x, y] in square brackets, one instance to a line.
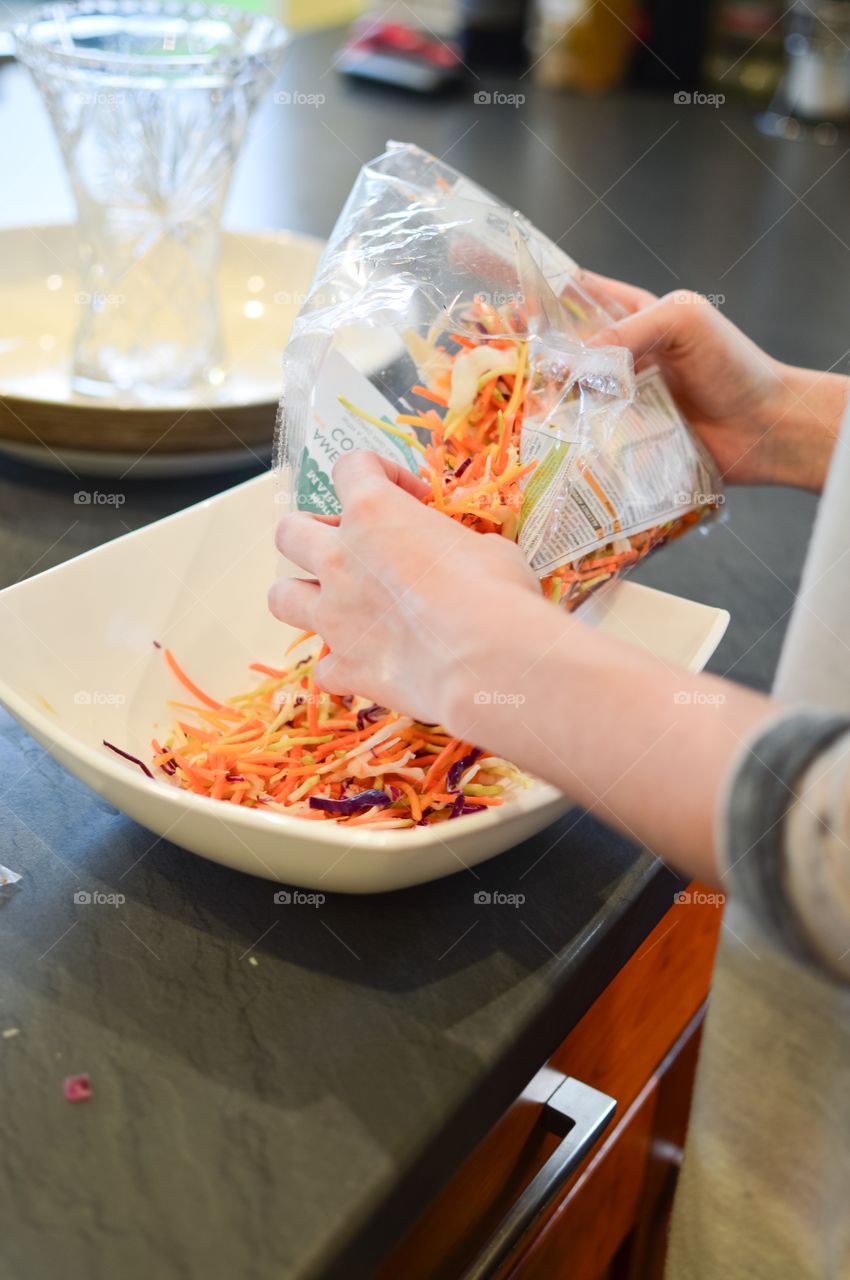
[78, 664]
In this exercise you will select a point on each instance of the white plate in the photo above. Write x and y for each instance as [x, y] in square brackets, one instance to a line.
[79, 665]
[263, 278]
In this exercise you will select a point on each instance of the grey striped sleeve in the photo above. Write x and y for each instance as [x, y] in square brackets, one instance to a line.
[785, 829]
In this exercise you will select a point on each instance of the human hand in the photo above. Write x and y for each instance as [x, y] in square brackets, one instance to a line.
[763, 422]
[406, 598]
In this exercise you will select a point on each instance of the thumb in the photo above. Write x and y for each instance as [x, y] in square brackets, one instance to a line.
[360, 470]
[654, 330]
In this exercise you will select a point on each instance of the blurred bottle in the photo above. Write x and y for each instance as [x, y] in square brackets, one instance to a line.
[672, 43]
[579, 44]
[493, 33]
[745, 49]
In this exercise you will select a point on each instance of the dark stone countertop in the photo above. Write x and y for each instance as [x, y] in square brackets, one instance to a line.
[289, 1118]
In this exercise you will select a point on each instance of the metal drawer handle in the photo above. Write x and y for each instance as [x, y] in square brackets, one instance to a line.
[579, 1113]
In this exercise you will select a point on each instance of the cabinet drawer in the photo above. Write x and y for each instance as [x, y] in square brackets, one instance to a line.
[615, 1047]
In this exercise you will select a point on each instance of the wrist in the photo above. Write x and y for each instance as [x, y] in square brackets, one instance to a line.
[802, 423]
[496, 676]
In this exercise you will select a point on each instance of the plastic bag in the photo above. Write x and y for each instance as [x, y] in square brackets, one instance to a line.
[445, 332]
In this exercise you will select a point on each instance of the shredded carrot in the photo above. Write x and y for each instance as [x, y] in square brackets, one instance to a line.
[426, 394]
[188, 684]
[305, 635]
[288, 746]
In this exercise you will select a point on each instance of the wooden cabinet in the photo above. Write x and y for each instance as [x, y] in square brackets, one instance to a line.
[638, 1043]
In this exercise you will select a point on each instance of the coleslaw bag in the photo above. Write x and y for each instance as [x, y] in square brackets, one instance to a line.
[431, 287]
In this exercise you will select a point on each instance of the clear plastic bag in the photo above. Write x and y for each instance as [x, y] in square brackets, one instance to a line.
[445, 332]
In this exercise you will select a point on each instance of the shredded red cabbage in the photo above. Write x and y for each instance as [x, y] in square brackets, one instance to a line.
[352, 804]
[460, 767]
[370, 714]
[457, 808]
[460, 470]
[126, 754]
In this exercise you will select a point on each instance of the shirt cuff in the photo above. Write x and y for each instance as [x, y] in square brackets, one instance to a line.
[783, 804]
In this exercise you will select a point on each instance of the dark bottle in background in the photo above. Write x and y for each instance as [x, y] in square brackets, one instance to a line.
[672, 43]
[493, 33]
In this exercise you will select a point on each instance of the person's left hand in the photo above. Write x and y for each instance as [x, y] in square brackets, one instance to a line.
[405, 597]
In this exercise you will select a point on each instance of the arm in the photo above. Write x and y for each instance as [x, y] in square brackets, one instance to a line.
[731, 789]
[423, 614]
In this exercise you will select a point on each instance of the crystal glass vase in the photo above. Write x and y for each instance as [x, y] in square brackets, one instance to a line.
[149, 100]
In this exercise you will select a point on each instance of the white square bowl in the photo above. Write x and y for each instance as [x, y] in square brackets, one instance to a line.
[79, 665]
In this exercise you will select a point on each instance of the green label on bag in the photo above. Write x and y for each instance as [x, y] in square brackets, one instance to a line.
[315, 491]
[347, 410]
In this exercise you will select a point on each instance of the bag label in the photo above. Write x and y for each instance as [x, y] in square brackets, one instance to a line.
[343, 403]
[651, 472]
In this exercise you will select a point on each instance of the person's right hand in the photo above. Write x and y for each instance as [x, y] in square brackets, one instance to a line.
[764, 422]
